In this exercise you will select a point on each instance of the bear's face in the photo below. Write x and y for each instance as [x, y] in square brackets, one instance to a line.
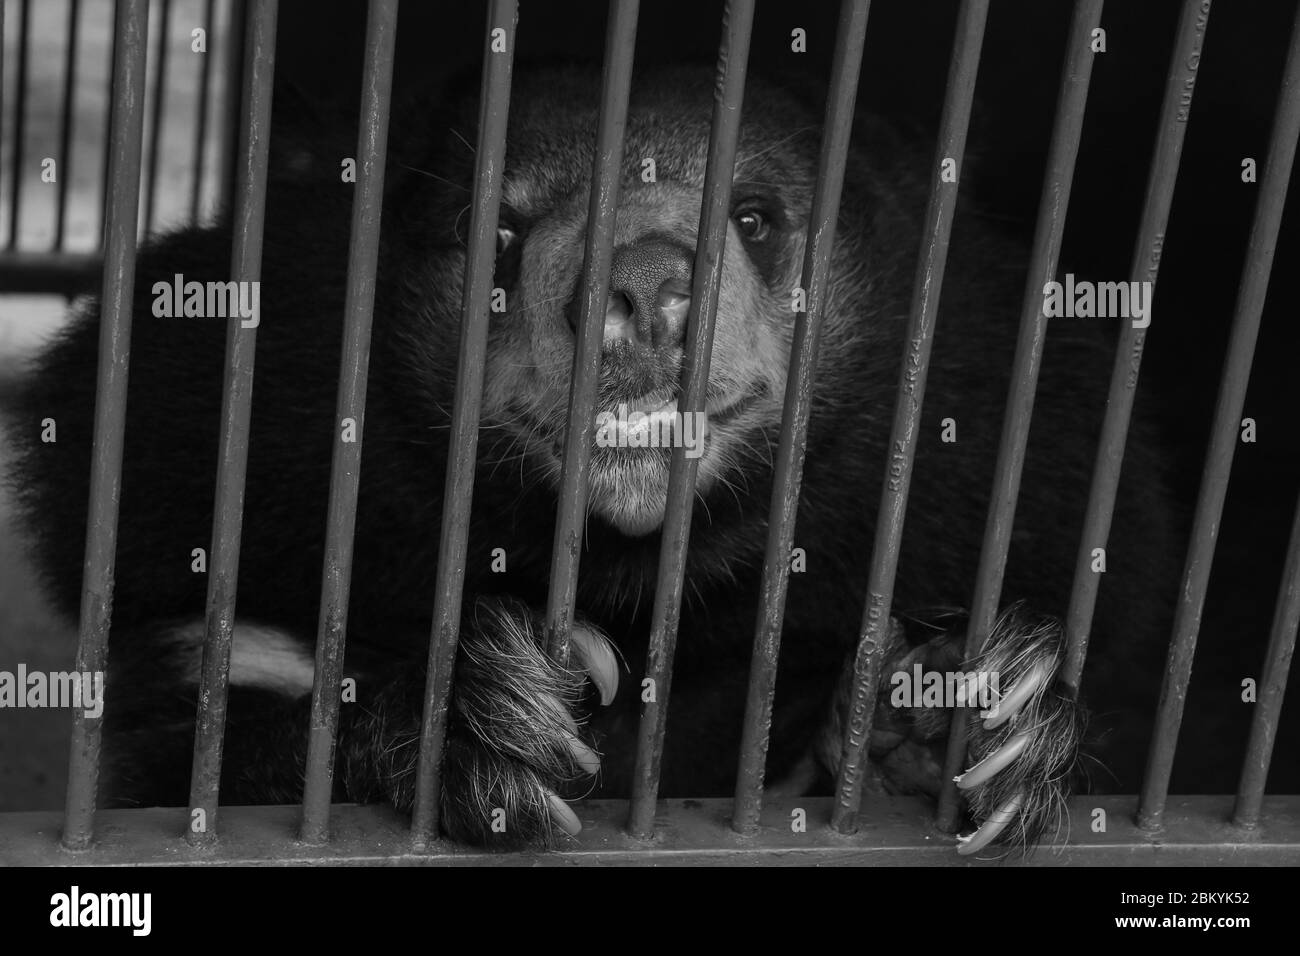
[541, 246]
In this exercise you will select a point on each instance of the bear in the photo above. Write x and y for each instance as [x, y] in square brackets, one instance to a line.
[525, 732]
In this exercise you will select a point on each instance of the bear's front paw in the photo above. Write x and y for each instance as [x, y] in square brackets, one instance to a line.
[1023, 732]
[514, 731]
[1023, 746]
[514, 739]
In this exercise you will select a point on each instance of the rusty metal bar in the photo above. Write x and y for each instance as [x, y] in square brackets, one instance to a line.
[1066, 132]
[458, 491]
[20, 116]
[201, 121]
[1223, 438]
[1174, 112]
[236, 408]
[694, 833]
[65, 122]
[1272, 688]
[606, 173]
[156, 121]
[850, 37]
[912, 376]
[345, 474]
[715, 215]
[125, 141]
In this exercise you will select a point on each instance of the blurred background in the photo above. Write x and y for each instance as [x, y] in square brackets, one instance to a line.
[55, 100]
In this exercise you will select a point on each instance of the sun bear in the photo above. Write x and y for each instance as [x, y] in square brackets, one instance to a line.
[524, 733]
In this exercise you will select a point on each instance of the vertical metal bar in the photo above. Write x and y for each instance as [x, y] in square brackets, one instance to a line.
[156, 121]
[912, 376]
[494, 107]
[103, 173]
[116, 300]
[345, 474]
[850, 37]
[20, 116]
[1052, 206]
[236, 407]
[1272, 687]
[715, 215]
[1174, 112]
[606, 173]
[65, 122]
[1223, 438]
[201, 122]
[2, 74]
[235, 54]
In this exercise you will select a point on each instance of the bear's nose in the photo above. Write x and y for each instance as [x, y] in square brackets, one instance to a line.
[649, 294]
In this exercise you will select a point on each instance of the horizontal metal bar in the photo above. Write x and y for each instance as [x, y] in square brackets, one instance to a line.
[1067, 130]
[693, 832]
[715, 215]
[236, 412]
[458, 490]
[116, 302]
[64, 273]
[606, 176]
[1224, 435]
[913, 373]
[354, 368]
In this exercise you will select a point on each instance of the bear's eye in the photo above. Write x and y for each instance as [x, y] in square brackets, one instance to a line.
[505, 239]
[753, 225]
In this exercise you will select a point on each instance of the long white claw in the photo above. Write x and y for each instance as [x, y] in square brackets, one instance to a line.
[563, 814]
[1010, 705]
[994, 762]
[990, 828]
[596, 657]
[585, 757]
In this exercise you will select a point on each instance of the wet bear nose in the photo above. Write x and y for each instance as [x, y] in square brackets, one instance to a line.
[649, 294]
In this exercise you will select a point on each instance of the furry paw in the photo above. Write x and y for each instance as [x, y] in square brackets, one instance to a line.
[514, 731]
[1023, 734]
[1024, 748]
[514, 738]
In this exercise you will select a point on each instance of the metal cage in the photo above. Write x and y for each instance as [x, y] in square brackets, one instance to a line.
[1151, 827]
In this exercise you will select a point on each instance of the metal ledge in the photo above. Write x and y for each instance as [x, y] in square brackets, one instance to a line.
[896, 831]
[53, 273]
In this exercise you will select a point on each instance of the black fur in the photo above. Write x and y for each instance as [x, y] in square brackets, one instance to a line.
[171, 454]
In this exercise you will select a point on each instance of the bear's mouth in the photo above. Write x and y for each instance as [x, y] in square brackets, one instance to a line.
[657, 409]
[632, 448]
